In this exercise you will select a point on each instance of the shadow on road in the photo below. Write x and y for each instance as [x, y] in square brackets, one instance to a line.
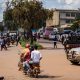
[47, 76]
[1, 78]
[76, 64]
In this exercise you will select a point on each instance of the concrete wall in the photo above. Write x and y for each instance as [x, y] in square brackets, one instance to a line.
[62, 15]
[56, 18]
[62, 22]
[49, 22]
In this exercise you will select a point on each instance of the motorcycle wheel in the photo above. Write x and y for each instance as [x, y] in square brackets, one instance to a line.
[8, 44]
[35, 73]
[30, 73]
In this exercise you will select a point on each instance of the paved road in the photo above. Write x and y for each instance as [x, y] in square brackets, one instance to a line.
[8, 64]
[54, 65]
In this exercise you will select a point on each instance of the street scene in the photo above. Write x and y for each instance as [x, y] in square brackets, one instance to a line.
[39, 40]
[54, 65]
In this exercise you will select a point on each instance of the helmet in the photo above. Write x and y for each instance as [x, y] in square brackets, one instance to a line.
[27, 45]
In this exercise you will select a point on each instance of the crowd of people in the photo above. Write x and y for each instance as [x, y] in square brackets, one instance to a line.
[70, 41]
[6, 41]
[29, 55]
[64, 39]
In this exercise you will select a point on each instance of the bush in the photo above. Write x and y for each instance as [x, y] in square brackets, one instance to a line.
[23, 43]
[38, 45]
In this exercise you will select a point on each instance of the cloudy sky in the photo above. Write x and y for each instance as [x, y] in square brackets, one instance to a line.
[62, 4]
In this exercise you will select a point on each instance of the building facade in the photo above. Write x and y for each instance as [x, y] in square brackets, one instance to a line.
[62, 17]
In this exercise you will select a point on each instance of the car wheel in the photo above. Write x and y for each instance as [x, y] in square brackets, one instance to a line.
[73, 62]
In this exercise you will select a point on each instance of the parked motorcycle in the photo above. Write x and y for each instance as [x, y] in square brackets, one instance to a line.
[12, 41]
[8, 44]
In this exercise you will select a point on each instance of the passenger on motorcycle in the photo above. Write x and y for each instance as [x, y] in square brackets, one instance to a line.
[26, 57]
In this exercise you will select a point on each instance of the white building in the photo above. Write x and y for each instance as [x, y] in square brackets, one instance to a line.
[62, 17]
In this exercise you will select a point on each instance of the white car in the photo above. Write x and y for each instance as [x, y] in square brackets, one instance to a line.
[12, 33]
[74, 55]
[52, 36]
[41, 35]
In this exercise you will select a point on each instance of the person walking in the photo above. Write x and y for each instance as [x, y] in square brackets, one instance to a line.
[3, 44]
[17, 40]
[55, 42]
[62, 39]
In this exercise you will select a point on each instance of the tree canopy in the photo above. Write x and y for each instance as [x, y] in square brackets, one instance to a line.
[26, 14]
[76, 23]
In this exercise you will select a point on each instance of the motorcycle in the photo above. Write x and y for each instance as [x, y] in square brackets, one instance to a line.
[8, 44]
[34, 70]
[12, 41]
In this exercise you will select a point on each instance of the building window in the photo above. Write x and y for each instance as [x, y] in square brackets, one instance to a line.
[68, 21]
[67, 14]
[72, 21]
[72, 14]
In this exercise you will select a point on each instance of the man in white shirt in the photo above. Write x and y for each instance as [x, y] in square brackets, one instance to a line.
[36, 55]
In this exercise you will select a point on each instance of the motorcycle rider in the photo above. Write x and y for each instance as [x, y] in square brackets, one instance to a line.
[36, 56]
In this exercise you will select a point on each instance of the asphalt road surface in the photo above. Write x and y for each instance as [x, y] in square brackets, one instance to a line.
[54, 65]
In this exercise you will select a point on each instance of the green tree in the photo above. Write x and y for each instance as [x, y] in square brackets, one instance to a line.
[8, 17]
[27, 14]
[76, 23]
[1, 27]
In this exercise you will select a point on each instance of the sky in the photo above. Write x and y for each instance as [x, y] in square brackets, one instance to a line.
[59, 4]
